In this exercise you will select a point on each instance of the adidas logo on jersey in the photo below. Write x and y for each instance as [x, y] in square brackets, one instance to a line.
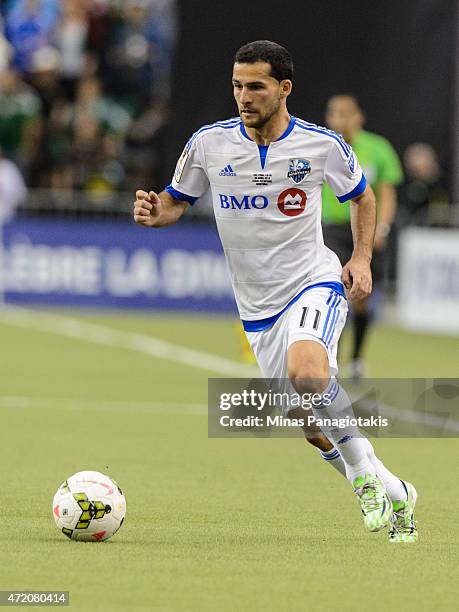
[227, 171]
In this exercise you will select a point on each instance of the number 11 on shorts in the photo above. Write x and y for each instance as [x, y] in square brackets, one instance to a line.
[304, 315]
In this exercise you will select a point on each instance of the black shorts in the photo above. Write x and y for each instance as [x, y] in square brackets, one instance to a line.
[338, 238]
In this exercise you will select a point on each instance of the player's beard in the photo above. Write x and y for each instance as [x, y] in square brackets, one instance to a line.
[261, 120]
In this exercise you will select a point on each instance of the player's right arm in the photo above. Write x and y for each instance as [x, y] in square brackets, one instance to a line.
[157, 210]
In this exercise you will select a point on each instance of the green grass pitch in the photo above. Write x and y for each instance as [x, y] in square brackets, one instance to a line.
[212, 524]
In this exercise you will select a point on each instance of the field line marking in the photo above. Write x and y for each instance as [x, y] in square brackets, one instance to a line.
[107, 336]
[24, 401]
[77, 329]
[410, 416]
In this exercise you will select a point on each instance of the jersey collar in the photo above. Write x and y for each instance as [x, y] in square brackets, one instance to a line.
[284, 135]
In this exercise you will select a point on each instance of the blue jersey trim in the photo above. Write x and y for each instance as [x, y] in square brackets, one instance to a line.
[228, 124]
[261, 324]
[263, 149]
[312, 127]
[290, 127]
[179, 195]
[355, 192]
[244, 133]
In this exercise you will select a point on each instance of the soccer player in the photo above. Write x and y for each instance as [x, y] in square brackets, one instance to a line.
[382, 170]
[265, 169]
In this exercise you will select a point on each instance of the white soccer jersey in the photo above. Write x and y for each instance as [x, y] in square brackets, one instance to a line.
[267, 204]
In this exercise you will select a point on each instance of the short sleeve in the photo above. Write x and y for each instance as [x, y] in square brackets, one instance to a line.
[190, 180]
[343, 172]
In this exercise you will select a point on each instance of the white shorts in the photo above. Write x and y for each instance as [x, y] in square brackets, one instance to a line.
[318, 315]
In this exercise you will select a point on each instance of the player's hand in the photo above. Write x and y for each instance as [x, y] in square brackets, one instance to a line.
[147, 208]
[356, 278]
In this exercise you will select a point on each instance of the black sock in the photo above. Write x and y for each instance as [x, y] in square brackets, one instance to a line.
[361, 321]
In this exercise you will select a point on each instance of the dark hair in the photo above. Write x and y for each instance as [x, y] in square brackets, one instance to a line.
[347, 94]
[270, 52]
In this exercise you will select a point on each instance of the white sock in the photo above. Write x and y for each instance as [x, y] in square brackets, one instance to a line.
[350, 446]
[395, 487]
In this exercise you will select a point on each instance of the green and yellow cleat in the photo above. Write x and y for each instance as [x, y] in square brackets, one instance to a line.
[403, 528]
[374, 502]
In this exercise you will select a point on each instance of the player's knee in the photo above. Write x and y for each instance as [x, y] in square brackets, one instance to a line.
[307, 367]
[309, 377]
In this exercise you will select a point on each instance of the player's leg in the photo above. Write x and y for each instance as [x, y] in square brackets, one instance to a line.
[326, 449]
[403, 496]
[317, 438]
[270, 348]
[394, 486]
[310, 362]
[402, 493]
[308, 371]
[397, 489]
[313, 303]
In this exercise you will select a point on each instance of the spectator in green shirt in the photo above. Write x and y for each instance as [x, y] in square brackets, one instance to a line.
[383, 172]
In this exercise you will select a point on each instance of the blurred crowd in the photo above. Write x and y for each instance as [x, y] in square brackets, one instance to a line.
[85, 90]
[85, 97]
[424, 196]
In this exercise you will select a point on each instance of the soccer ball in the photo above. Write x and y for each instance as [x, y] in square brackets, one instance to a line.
[89, 507]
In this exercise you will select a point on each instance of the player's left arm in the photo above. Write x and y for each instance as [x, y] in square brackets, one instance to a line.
[356, 275]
